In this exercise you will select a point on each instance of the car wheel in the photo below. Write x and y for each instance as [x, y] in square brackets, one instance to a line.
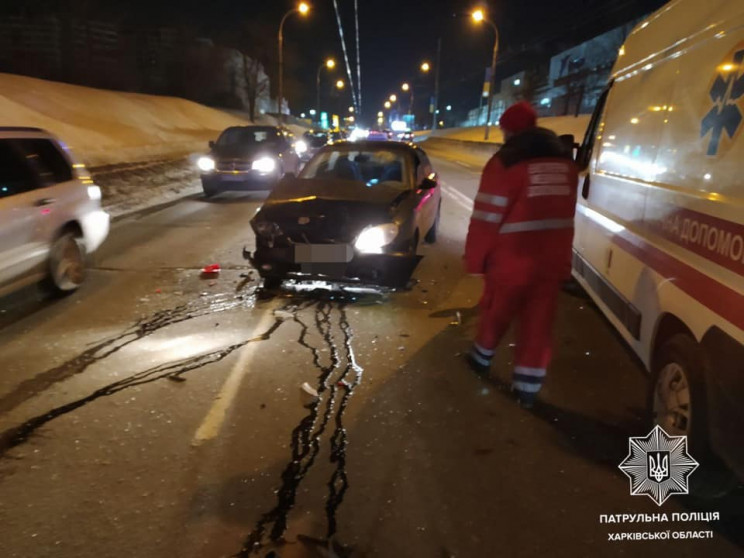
[431, 236]
[272, 283]
[414, 243]
[67, 263]
[678, 404]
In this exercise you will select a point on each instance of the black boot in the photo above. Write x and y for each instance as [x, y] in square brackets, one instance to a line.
[478, 362]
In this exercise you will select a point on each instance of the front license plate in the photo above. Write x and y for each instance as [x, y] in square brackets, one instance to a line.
[323, 253]
[230, 177]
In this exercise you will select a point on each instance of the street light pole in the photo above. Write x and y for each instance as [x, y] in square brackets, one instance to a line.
[302, 8]
[317, 91]
[492, 76]
[436, 86]
[479, 16]
[330, 64]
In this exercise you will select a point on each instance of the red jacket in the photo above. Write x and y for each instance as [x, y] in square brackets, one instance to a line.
[522, 223]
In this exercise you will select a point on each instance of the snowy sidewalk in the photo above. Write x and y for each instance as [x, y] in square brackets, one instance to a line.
[130, 187]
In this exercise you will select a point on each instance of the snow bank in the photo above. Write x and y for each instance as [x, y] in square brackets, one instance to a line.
[108, 127]
[466, 145]
[559, 124]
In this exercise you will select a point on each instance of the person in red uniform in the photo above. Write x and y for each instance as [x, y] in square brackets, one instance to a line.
[519, 239]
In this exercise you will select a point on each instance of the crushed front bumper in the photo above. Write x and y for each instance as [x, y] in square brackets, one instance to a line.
[392, 270]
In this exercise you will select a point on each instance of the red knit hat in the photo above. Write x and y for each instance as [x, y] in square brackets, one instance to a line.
[518, 117]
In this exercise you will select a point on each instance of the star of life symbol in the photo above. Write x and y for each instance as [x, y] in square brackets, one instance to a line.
[726, 93]
[658, 465]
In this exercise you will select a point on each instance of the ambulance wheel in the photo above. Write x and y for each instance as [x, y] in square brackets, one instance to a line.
[431, 236]
[677, 401]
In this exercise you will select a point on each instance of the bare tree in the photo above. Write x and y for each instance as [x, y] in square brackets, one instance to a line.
[257, 83]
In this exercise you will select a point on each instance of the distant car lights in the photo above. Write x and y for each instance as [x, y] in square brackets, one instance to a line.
[300, 147]
[358, 134]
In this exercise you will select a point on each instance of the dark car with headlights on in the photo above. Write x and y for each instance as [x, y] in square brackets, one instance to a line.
[314, 141]
[249, 158]
[356, 213]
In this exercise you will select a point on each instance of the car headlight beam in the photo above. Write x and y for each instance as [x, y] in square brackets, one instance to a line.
[264, 165]
[94, 193]
[372, 239]
[205, 164]
[300, 147]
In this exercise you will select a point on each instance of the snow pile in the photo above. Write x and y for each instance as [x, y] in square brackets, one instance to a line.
[130, 187]
[106, 127]
[575, 125]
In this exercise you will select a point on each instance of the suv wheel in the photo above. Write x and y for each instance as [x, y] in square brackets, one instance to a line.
[67, 263]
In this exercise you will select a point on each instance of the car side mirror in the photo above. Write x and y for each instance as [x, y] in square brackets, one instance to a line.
[568, 141]
[211, 144]
[429, 183]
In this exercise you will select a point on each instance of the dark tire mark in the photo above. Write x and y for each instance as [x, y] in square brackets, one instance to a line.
[17, 435]
[307, 435]
[105, 348]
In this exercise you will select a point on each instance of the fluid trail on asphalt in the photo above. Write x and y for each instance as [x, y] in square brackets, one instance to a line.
[336, 383]
[174, 371]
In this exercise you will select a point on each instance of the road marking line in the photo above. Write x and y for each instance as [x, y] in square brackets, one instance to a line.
[462, 197]
[459, 201]
[472, 169]
[212, 423]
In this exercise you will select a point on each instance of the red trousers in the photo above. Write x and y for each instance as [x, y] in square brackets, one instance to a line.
[532, 306]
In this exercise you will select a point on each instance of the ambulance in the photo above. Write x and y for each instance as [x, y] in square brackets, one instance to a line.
[659, 240]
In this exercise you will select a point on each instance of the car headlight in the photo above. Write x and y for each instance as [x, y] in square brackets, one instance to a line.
[264, 165]
[300, 147]
[267, 229]
[94, 193]
[205, 164]
[372, 239]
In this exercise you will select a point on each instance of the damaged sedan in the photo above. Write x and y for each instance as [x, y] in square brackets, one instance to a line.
[356, 213]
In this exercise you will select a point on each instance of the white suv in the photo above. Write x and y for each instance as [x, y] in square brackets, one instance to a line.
[50, 212]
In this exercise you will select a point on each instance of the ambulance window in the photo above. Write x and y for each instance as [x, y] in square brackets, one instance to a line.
[584, 155]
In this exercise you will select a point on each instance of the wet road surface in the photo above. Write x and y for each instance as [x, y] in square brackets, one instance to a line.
[159, 414]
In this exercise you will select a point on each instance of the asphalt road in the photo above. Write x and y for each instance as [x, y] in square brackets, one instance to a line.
[157, 414]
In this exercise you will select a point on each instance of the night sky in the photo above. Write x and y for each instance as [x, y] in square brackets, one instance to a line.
[396, 35]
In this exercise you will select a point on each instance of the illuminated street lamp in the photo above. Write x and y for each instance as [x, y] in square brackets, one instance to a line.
[387, 104]
[330, 63]
[405, 87]
[340, 84]
[479, 16]
[303, 8]
[425, 67]
[380, 114]
[393, 98]
[351, 109]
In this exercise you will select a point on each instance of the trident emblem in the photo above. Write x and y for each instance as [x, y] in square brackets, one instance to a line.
[658, 465]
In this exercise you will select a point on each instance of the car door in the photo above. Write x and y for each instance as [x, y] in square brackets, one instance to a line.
[58, 195]
[20, 218]
[428, 200]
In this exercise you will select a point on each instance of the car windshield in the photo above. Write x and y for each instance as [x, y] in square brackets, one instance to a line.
[249, 136]
[369, 166]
